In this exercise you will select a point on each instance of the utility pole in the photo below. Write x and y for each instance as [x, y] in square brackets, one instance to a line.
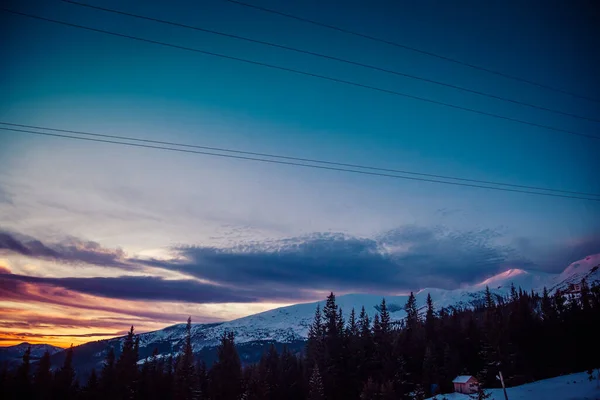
[502, 381]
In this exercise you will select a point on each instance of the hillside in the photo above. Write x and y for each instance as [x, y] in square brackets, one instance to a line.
[289, 325]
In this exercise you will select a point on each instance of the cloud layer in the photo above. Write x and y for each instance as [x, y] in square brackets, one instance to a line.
[403, 259]
[293, 269]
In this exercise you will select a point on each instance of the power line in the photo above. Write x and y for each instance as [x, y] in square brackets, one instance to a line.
[323, 167]
[329, 57]
[310, 74]
[414, 49]
[316, 161]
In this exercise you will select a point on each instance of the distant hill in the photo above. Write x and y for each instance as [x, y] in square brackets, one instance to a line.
[12, 355]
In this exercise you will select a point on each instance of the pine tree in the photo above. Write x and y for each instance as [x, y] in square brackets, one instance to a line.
[401, 378]
[64, 380]
[547, 309]
[489, 358]
[330, 317]
[108, 379]
[352, 330]
[412, 313]
[314, 346]
[384, 318]
[376, 326]
[186, 380]
[126, 368]
[290, 377]
[340, 323]
[489, 300]
[91, 391]
[371, 391]
[450, 368]
[226, 373]
[387, 391]
[429, 370]
[270, 370]
[514, 296]
[585, 296]
[203, 380]
[364, 325]
[22, 382]
[429, 318]
[42, 380]
[315, 385]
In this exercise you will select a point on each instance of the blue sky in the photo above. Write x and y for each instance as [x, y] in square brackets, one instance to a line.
[214, 212]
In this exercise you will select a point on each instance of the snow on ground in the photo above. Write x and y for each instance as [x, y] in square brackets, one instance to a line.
[566, 387]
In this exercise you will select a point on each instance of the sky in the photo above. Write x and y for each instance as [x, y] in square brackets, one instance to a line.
[95, 237]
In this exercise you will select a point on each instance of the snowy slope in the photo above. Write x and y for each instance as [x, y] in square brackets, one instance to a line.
[12, 354]
[289, 324]
[566, 387]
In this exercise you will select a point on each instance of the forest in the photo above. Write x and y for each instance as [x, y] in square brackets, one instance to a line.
[527, 336]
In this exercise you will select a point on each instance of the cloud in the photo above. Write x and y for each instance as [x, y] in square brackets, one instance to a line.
[297, 268]
[554, 257]
[18, 288]
[129, 288]
[406, 258]
[70, 250]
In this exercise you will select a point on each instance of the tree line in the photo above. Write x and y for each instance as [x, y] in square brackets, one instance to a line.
[526, 335]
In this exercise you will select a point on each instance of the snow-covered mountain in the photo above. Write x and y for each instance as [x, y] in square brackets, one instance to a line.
[290, 324]
[13, 354]
[37, 350]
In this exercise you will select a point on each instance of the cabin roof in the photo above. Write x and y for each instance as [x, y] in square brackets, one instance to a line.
[462, 379]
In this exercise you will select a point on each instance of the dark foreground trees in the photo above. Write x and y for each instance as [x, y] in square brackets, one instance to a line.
[527, 336]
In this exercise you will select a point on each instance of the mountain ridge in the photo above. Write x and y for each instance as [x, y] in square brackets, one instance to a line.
[289, 325]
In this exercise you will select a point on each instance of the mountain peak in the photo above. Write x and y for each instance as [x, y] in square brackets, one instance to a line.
[510, 275]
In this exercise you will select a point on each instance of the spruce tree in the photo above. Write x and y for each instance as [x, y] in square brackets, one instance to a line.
[186, 380]
[314, 346]
[547, 309]
[290, 377]
[364, 324]
[91, 391]
[429, 370]
[384, 318]
[330, 317]
[226, 373]
[376, 327]
[387, 391]
[371, 390]
[315, 385]
[22, 385]
[271, 368]
[489, 300]
[108, 378]
[514, 296]
[64, 380]
[203, 379]
[412, 313]
[126, 368]
[42, 380]
[352, 329]
[429, 318]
